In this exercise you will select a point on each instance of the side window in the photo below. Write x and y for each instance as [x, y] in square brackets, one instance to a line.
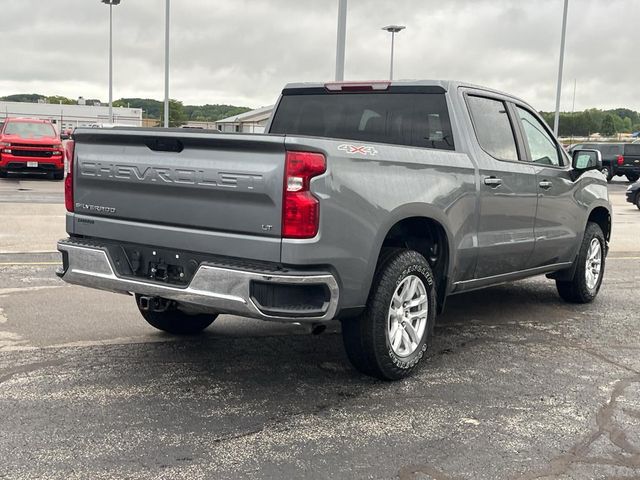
[493, 127]
[542, 146]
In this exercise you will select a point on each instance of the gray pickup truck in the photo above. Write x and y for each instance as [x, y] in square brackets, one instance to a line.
[370, 203]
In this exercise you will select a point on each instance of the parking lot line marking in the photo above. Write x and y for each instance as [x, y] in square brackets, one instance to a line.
[623, 258]
[8, 264]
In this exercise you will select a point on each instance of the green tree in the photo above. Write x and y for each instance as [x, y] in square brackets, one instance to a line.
[589, 124]
[24, 97]
[152, 108]
[177, 114]
[60, 99]
[608, 127]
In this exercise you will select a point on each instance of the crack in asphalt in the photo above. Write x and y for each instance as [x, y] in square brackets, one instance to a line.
[577, 454]
[605, 421]
[410, 471]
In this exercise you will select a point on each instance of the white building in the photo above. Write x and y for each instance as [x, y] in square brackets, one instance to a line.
[248, 122]
[71, 116]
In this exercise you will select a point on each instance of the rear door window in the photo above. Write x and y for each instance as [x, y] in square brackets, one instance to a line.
[493, 127]
[414, 119]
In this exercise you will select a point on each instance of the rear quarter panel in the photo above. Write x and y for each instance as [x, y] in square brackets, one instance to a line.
[363, 196]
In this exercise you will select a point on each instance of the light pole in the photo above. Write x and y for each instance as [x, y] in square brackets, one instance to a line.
[342, 33]
[556, 120]
[393, 29]
[166, 65]
[111, 3]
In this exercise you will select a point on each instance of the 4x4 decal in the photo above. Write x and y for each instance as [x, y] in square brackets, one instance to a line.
[360, 149]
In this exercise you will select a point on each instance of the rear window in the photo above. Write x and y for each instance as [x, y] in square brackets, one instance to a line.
[632, 149]
[29, 130]
[610, 150]
[420, 120]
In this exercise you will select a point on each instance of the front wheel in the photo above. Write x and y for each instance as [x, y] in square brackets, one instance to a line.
[589, 270]
[176, 321]
[390, 338]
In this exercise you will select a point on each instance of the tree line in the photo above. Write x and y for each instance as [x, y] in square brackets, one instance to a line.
[605, 122]
[179, 113]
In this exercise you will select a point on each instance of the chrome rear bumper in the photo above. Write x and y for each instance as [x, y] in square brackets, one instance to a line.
[219, 289]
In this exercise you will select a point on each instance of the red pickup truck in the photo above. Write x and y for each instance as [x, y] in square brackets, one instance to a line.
[30, 145]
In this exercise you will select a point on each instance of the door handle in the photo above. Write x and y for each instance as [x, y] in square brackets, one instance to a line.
[546, 184]
[493, 182]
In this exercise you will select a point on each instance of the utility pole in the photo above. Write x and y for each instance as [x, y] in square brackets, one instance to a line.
[166, 65]
[111, 3]
[340, 43]
[393, 29]
[560, 66]
[573, 109]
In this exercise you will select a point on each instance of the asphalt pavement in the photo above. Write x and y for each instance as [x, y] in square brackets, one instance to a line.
[517, 384]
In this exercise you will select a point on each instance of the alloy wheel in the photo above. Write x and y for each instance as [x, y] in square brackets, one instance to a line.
[407, 317]
[593, 264]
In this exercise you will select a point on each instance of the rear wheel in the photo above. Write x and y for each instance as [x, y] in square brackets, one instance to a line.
[638, 200]
[606, 171]
[587, 278]
[389, 339]
[176, 321]
[632, 177]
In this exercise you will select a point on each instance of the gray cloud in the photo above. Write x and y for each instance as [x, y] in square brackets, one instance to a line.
[243, 52]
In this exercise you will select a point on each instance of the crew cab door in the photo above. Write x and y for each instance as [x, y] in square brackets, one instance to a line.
[507, 190]
[559, 217]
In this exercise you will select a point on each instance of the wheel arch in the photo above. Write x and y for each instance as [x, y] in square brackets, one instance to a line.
[424, 229]
[601, 215]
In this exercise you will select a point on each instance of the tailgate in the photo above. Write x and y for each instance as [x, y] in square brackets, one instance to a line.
[200, 181]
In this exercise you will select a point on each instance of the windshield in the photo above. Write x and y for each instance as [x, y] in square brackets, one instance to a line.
[30, 129]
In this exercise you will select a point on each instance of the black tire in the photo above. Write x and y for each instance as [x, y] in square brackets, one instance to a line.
[3, 174]
[366, 338]
[577, 289]
[632, 178]
[58, 175]
[177, 322]
[638, 200]
[607, 173]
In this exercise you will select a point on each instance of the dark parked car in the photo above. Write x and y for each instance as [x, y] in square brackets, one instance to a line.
[633, 194]
[617, 158]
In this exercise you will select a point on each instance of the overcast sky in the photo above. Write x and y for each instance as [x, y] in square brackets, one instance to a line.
[243, 51]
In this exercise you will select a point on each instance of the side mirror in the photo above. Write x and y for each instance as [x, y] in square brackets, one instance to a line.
[583, 160]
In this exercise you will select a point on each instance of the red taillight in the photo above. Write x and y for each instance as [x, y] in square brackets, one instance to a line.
[620, 159]
[68, 181]
[301, 210]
